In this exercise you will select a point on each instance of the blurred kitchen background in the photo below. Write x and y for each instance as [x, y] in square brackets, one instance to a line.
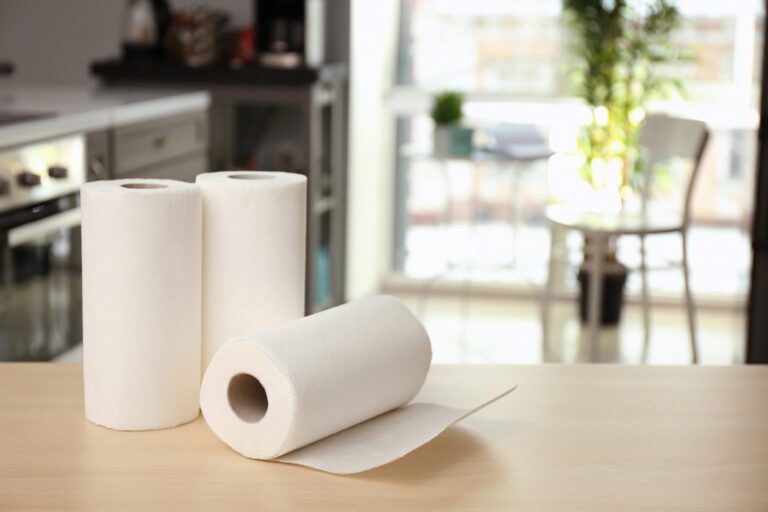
[459, 157]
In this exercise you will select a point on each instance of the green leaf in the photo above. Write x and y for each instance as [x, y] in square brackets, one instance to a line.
[447, 108]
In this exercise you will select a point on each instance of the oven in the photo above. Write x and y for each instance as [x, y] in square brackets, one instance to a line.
[40, 264]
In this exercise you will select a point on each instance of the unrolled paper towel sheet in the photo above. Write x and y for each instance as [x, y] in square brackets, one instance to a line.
[254, 239]
[328, 391]
[141, 302]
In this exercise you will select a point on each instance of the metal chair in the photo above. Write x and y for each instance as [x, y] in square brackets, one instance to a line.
[664, 138]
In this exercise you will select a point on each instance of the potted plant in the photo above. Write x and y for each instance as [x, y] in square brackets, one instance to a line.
[622, 49]
[450, 137]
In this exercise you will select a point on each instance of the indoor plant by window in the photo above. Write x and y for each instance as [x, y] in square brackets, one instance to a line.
[450, 137]
[622, 53]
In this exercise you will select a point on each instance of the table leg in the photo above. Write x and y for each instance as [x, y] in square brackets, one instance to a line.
[467, 285]
[595, 292]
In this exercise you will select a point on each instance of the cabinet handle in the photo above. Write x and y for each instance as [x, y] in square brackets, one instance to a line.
[97, 169]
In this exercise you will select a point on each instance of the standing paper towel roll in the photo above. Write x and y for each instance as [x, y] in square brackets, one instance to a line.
[254, 229]
[326, 391]
[141, 302]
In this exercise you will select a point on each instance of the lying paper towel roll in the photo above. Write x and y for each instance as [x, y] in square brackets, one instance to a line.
[292, 392]
[141, 302]
[254, 233]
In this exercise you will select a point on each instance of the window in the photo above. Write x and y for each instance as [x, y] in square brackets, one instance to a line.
[510, 57]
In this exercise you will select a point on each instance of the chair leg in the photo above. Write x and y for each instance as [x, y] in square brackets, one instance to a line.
[595, 291]
[546, 300]
[465, 304]
[446, 226]
[645, 298]
[517, 214]
[690, 306]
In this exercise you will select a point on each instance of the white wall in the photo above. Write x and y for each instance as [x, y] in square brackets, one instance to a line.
[371, 136]
[54, 42]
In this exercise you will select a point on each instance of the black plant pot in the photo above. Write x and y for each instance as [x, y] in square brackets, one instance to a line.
[612, 297]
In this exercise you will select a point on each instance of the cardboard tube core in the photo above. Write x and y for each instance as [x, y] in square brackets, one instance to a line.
[250, 177]
[247, 397]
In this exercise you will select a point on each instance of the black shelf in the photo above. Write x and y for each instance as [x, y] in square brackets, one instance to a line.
[168, 71]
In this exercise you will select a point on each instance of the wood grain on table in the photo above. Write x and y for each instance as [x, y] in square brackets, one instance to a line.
[592, 438]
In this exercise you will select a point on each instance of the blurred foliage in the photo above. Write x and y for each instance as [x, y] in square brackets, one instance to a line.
[623, 54]
[447, 108]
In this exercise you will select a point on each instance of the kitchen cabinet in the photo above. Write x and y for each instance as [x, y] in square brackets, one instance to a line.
[291, 120]
[169, 148]
[757, 323]
[52, 140]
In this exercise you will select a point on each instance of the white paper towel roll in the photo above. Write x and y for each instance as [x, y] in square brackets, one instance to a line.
[141, 302]
[254, 236]
[292, 392]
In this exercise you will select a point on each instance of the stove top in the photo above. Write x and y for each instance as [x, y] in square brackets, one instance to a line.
[39, 172]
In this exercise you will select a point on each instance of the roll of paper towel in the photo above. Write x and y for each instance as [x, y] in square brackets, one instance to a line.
[141, 302]
[254, 236]
[327, 391]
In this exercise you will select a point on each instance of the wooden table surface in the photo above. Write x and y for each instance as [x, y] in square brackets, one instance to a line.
[592, 438]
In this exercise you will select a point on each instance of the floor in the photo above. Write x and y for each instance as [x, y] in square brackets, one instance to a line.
[506, 327]
[487, 246]
[508, 330]
[475, 327]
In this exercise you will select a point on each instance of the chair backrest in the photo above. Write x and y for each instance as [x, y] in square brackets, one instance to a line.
[668, 138]
[518, 141]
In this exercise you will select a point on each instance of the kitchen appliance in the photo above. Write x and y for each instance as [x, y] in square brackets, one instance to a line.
[290, 33]
[193, 35]
[40, 265]
[144, 26]
[6, 68]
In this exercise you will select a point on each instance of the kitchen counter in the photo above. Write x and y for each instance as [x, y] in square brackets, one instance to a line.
[597, 438]
[33, 113]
